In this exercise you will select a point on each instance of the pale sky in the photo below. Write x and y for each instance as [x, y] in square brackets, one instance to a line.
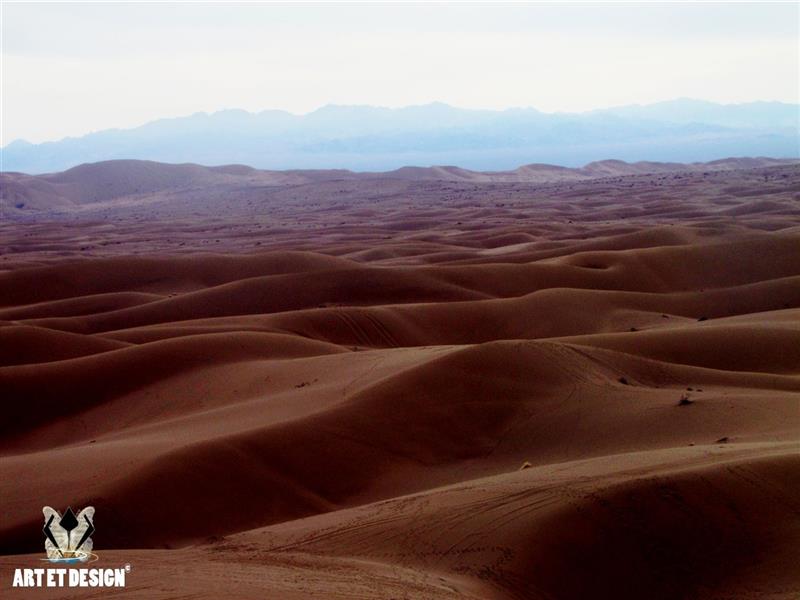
[71, 68]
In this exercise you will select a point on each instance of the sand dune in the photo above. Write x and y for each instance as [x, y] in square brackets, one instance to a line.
[139, 180]
[516, 533]
[21, 345]
[329, 390]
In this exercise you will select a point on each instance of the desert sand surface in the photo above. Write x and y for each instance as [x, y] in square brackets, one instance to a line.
[432, 383]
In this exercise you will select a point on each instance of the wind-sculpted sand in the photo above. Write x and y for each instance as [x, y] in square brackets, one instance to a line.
[409, 386]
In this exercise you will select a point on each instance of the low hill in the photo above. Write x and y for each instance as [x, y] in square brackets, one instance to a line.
[91, 185]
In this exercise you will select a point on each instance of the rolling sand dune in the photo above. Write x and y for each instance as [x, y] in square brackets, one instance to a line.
[430, 383]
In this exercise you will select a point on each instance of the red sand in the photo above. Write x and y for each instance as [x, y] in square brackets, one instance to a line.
[326, 388]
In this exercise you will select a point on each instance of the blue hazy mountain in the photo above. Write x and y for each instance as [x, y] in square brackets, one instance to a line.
[769, 115]
[374, 138]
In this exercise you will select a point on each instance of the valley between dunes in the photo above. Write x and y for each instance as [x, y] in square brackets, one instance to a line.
[410, 387]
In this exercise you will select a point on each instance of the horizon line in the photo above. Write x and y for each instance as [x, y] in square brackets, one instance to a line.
[786, 160]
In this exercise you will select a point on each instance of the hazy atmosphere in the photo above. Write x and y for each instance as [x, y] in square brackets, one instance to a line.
[69, 69]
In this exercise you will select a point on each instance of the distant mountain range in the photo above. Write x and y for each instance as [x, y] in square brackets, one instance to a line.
[370, 138]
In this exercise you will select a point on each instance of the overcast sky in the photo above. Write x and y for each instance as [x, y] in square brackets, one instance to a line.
[69, 69]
